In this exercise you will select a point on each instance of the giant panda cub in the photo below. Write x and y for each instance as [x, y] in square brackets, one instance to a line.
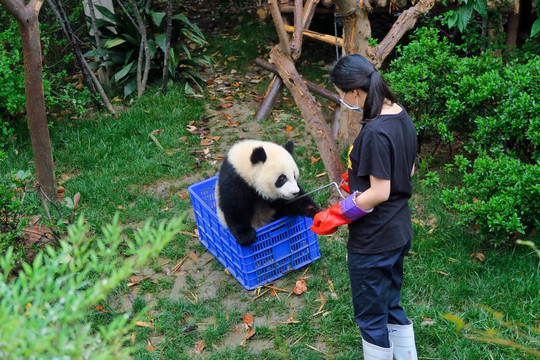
[256, 182]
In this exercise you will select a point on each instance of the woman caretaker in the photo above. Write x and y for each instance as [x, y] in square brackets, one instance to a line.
[380, 167]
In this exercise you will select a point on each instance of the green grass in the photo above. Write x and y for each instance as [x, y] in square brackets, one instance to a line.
[117, 168]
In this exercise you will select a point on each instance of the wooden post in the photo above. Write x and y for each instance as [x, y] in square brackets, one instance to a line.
[270, 98]
[276, 86]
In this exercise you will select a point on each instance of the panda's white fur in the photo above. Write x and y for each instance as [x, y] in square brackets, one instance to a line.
[256, 180]
[262, 176]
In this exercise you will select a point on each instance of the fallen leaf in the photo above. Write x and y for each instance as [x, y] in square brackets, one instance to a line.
[248, 320]
[182, 195]
[233, 124]
[60, 192]
[426, 321]
[149, 346]
[145, 324]
[479, 256]
[133, 337]
[183, 138]
[158, 131]
[100, 309]
[206, 141]
[76, 199]
[199, 347]
[288, 102]
[289, 128]
[300, 287]
[225, 105]
[192, 129]
[442, 273]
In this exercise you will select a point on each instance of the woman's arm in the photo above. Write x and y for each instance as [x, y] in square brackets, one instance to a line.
[378, 192]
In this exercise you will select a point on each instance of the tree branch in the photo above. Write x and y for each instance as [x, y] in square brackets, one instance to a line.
[15, 8]
[309, 11]
[296, 43]
[280, 28]
[404, 23]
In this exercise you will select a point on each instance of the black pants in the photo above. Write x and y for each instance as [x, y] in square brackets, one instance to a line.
[376, 285]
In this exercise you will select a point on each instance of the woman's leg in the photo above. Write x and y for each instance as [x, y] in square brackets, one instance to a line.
[371, 279]
[396, 314]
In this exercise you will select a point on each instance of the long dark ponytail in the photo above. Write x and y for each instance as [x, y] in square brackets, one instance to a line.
[353, 72]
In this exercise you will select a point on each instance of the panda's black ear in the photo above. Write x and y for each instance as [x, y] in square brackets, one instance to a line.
[258, 155]
[289, 146]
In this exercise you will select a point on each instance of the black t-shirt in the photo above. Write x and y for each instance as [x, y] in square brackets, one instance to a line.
[385, 148]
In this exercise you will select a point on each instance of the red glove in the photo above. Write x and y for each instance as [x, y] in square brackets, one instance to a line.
[327, 221]
[345, 182]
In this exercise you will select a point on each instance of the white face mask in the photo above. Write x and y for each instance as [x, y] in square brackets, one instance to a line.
[355, 108]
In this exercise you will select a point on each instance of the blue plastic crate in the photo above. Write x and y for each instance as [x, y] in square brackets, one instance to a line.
[282, 246]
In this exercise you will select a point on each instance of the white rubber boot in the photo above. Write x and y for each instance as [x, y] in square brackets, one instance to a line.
[403, 338]
[374, 352]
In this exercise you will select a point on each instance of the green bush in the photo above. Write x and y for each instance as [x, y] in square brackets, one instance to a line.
[444, 92]
[44, 309]
[12, 98]
[499, 195]
[60, 94]
[514, 125]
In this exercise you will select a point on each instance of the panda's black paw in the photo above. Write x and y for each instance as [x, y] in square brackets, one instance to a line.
[246, 238]
[312, 210]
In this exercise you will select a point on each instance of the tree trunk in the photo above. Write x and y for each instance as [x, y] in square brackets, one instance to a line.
[512, 31]
[27, 18]
[167, 50]
[144, 52]
[356, 35]
[312, 114]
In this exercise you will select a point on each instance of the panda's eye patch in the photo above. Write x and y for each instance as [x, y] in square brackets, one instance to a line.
[281, 180]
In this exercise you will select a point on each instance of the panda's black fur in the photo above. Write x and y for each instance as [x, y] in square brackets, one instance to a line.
[256, 182]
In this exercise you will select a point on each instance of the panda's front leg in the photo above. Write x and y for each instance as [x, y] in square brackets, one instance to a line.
[238, 220]
[244, 234]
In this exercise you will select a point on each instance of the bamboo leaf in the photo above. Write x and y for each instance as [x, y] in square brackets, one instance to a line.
[114, 42]
[125, 70]
[158, 17]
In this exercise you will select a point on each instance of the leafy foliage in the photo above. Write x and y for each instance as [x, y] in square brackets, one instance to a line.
[495, 111]
[463, 15]
[499, 193]
[442, 91]
[45, 309]
[514, 126]
[12, 214]
[59, 93]
[12, 98]
[121, 42]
